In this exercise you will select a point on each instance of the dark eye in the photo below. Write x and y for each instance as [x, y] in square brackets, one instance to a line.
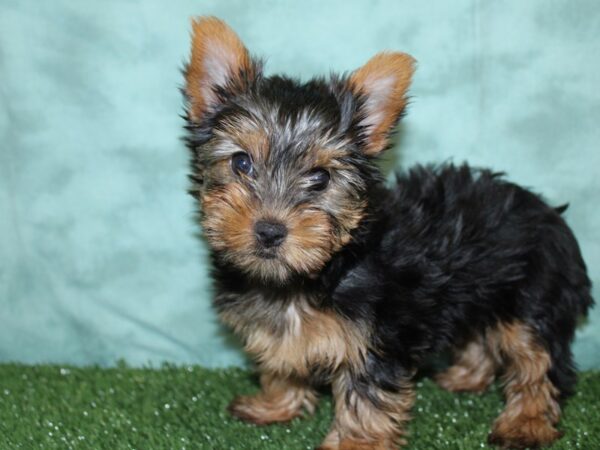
[241, 163]
[318, 179]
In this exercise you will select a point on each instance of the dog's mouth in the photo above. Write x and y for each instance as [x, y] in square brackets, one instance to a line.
[266, 253]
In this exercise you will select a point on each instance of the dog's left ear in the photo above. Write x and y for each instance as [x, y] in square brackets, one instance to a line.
[381, 84]
[219, 66]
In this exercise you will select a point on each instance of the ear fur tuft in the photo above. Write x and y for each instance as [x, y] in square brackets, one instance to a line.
[382, 83]
[218, 60]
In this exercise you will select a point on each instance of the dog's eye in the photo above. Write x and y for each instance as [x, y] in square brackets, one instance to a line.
[318, 179]
[241, 163]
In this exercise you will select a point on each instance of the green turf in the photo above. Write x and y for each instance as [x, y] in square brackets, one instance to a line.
[184, 407]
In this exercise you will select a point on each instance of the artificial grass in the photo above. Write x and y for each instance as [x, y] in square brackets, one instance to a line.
[184, 408]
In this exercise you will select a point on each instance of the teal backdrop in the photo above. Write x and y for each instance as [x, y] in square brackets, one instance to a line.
[98, 255]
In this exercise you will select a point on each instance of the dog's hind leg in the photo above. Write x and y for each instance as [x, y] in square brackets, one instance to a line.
[532, 408]
[473, 370]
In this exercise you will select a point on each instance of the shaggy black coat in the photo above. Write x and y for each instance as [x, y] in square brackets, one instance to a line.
[450, 251]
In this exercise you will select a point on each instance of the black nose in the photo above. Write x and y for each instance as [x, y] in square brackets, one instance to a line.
[270, 234]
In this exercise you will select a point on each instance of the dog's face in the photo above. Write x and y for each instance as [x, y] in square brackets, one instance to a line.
[281, 168]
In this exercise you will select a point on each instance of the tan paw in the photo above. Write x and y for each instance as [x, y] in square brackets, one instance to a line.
[525, 433]
[381, 444]
[257, 411]
[352, 444]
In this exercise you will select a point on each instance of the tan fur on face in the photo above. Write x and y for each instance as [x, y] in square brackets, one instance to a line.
[229, 215]
[383, 81]
[311, 339]
[218, 58]
[309, 244]
[280, 400]
[350, 215]
[349, 210]
[330, 158]
[359, 424]
[474, 368]
[227, 219]
[531, 407]
[247, 135]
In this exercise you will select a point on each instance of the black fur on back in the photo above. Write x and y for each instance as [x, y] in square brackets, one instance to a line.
[449, 251]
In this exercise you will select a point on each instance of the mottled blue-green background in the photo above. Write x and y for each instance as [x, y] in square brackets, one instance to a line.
[98, 259]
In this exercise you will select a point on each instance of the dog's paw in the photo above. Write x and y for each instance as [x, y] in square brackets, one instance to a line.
[258, 411]
[526, 433]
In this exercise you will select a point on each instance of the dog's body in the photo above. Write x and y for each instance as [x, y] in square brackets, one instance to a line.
[330, 277]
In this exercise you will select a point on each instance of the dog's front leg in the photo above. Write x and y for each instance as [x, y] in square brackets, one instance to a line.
[280, 399]
[366, 416]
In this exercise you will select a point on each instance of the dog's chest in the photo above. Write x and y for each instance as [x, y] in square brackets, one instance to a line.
[299, 339]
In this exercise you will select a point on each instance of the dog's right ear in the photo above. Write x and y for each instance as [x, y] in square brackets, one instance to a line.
[219, 66]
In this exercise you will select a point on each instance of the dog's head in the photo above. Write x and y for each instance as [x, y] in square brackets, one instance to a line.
[281, 168]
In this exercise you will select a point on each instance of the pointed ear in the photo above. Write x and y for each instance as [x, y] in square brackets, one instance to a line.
[219, 64]
[382, 84]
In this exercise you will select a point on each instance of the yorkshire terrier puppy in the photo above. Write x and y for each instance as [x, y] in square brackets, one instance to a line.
[329, 276]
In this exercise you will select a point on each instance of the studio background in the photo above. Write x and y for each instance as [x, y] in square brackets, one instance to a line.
[98, 255]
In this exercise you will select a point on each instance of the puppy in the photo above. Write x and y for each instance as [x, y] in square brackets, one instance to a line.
[329, 276]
